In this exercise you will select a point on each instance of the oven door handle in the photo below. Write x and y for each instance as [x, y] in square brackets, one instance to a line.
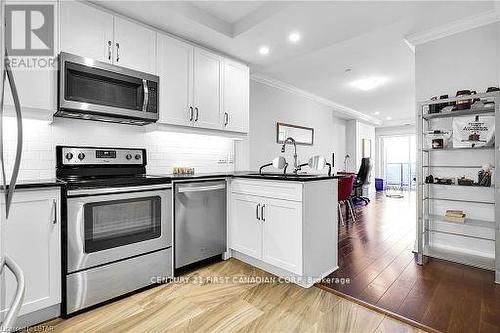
[118, 190]
[188, 189]
[146, 95]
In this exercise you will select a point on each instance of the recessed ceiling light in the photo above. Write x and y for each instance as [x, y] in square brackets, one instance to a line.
[388, 118]
[376, 113]
[264, 50]
[294, 37]
[368, 83]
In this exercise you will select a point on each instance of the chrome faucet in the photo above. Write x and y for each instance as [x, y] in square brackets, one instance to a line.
[296, 166]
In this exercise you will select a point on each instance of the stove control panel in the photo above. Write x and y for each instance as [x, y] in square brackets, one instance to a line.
[102, 156]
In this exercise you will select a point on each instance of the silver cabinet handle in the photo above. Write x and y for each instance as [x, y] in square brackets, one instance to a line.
[54, 211]
[146, 95]
[263, 218]
[9, 193]
[226, 118]
[117, 52]
[257, 211]
[197, 114]
[188, 189]
[109, 50]
[191, 113]
[11, 316]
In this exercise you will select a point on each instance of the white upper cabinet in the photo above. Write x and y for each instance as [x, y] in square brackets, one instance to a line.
[89, 32]
[207, 89]
[86, 31]
[236, 96]
[135, 46]
[175, 68]
[198, 88]
[36, 87]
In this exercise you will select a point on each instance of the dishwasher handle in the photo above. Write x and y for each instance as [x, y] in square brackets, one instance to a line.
[190, 189]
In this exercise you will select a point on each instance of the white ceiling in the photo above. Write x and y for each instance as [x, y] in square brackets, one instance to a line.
[365, 36]
[226, 11]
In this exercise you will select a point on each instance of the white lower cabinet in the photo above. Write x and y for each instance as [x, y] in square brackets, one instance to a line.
[247, 233]
[33, 241]
[282, 234]
[268, 229]
[286, 228]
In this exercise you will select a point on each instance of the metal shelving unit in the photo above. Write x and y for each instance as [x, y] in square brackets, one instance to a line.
[430, 224]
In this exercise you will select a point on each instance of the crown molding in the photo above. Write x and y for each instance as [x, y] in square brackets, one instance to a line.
[465, 24]
[339, 109]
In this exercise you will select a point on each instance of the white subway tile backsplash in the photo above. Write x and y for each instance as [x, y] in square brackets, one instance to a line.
[165, 149]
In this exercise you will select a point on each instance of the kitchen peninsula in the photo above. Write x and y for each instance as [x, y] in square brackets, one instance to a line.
[285, 225]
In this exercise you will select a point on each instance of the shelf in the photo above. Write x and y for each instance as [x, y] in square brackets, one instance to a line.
[455, 166]
[468, 222]
[456, 185]
[463, 98]
[460, 200]
[471, 242]
[460, 113]
[460, 257]
[458, 148]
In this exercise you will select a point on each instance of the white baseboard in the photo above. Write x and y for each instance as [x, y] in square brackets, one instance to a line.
[286, 276]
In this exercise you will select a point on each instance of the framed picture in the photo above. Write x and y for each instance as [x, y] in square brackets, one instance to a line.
[367, 147]
[302, 135]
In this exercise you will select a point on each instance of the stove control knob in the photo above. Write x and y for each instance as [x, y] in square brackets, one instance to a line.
[138, 156]
[128, 157]
[69, 156]
[81, 156]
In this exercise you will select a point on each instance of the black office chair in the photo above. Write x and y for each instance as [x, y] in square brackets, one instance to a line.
[363, 178]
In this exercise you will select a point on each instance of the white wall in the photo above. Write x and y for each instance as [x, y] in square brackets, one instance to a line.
[467, 60]
[356, 132]
[269, 105]
[165, 149]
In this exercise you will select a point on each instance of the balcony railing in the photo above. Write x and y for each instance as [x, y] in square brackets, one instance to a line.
[402, 174]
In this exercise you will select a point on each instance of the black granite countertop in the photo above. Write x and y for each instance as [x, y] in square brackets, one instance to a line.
[253, 175]
[53, 182]
[36, 183]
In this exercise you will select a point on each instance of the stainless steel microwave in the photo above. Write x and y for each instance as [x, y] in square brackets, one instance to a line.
[95, 90]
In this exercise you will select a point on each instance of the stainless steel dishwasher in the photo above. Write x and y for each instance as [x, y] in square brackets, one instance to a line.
[199, 221]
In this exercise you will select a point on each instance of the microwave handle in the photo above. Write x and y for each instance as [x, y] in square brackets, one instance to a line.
[146, 95]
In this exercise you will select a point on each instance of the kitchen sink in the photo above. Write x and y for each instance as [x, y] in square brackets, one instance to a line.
[280, 175]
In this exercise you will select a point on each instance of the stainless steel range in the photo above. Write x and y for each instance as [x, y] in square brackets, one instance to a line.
[118, 232]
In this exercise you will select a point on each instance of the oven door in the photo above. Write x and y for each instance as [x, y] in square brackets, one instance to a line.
[97, 88]
[111, 226]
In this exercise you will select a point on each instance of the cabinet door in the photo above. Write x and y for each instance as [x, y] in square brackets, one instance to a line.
[33, 241]
[207, 89]
[175, 68]
[282, 234]
[245, 228]
[235, 102]
[86, 31]
[37, 86]
[36, 90]
[135, 46]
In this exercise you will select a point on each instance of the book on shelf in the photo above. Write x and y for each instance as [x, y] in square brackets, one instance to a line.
[457, 216]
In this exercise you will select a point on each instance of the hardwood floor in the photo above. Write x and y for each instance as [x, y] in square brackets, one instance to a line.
[376, 255]
[207, 304]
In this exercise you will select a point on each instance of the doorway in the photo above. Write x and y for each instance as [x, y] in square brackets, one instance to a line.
[398, 159]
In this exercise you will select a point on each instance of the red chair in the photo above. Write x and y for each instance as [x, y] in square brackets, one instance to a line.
[344, 197]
